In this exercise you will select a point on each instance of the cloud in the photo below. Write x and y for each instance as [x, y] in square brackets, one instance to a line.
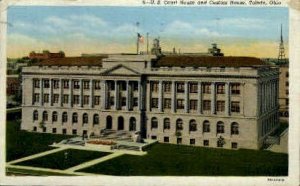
[244, 23]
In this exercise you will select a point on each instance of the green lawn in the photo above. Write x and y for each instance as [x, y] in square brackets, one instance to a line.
[59, 161]
[21, 143]
[174, 160]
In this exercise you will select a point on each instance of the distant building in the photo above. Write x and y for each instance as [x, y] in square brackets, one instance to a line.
[46, 55]
[13, 84]
[222, 102]
[284, 90]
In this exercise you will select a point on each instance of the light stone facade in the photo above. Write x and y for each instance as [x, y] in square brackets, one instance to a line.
[215, 107]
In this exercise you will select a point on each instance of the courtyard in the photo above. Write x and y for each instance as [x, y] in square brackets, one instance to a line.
[160, 159]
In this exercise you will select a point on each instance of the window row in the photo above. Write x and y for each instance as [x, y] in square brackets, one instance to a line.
[193, 87]
[220, 127]
[65, 117]
[65, 99]
[206, 104]
[122, 85]
[86, 84]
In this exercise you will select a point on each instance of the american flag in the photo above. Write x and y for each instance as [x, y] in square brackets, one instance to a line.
[140, 38]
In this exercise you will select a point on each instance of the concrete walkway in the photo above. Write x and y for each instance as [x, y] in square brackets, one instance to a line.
[37, 155]
[93, 162]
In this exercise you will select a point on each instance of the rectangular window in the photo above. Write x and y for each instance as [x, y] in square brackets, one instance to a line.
[97, 100]
[36, 83]
[46, 98]
[180, 87]
[135, 86]
[206, 105]
[46, 83]
[154, 86]
[122, 85]
[287, 91]
[179, 140]
[206, 88]
[220, 106]
[193, 88]
[66, 84]
[287, 74]
[66, 99]
[64, 131]
[287, 83]
[74, 132]
[167, 87]
[193, 104]
[205, 142]
[154, 103]
[235, 88]
[234, 145]
[97, 85]
[287, 102]
[235, 106]
[76, 84]
[166, 139]
[86, 84]
[55, 84]
[154, 137]
[123, 101]
[55, 98]
[76, 99]
[221, 88]
[86, 100]
[180, 104]
[36, 98]
[53, 130]
[192, 141]
[112, 101]
[135, 102]
[111, 85]
[167, 103]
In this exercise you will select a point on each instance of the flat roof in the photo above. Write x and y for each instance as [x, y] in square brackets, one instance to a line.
[72, 61]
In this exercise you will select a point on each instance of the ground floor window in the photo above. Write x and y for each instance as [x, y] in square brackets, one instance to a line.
[154, 137]
[179, 140]
[192, 141]
[54, 130]
[34, 129]
[219, 144]
[44, 129]
[166, 139]
[205, 142]
[74, 132]
[234, 145]
[64, 131]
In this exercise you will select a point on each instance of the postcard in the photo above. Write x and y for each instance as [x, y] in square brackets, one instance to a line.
[150, 92]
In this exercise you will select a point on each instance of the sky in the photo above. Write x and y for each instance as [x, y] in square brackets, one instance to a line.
[76, 30]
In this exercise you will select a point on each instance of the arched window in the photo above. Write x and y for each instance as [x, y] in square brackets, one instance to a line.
[179, 124]
[120, 123]
[132, 124]
[154, 123]
[75, 118]
[206, 126]
[96, 119]
[45, 116]
[193, 125]
[234, 128]
[85, 118]
[35, 115]
[166, 123]
[54, 116]
[64, 117]
[108, 122]
[220, 127]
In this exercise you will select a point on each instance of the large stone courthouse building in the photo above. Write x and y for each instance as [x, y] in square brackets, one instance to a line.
[213, 101]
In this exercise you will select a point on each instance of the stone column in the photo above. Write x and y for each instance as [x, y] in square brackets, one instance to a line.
[116, 95]
[127, 95]
[160, 96]
[149, 91]
[173, 105]
[41, 94]
[61, 92]
[213, 98]
[227, 98]
[104, 97]
[71, 93]
[186, 97]
[91, 93]
[81, 93]
[139, 95]
[51, 92]
[199, 98]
